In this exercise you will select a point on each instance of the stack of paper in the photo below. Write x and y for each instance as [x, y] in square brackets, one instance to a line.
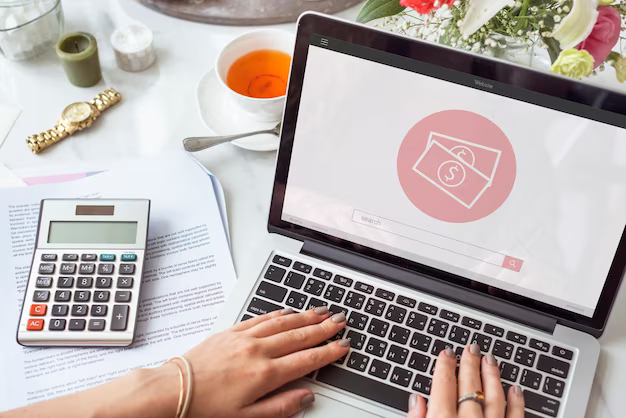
[187, 276]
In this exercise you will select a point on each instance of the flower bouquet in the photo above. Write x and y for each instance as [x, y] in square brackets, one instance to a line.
[579, 35]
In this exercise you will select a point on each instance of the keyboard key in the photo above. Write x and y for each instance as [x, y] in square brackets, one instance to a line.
[57, 325]
[335, 309]
[553, 387]
[494, 330]
[296, 300]
[483, 341]
[375, 307]
[65, 282]
[126, 282]
[395, 314]
[459, 335]
[420, 341]
[62, 295]
[43, 282]
[304, 268]
[432, 368]
[89, 257]
[128, 257]
[419, 362]
[505, 388]
[405, 301]
[340, 361]
[338, 336]
[96, 324]
[101, 296]
[70, 257]
[99, 310]
[322, 274]
[376, 347]
[80, 310]
[86, 268]
[378, 327]
[471, 322]
[106, 268]
[123, 296]
[342, 280]
[541, 403]
[437, 327]
[314, 303]
[509, 371]
[245, 317]
[358, 361]
[397, 354]
[450, 316]
[41, 296]
[84, 282]
[119, 317]
[334, 293]
[363, 287]
[553, 366]
[384, 294]
[364, 386]
[379, 369]
[48, 257]
[502, 349]
[59, 310]
[399, 334]
[271, 291]
[525, 356]
[357, 340]
[530, 379]
[107, 257]
[314, 286]
[425, 307]
[439, 346]
[127, 269]
[82, 296]
[67, 268]
[539, 345]
[280, 260]
[261, 307]
[294, 280]
[516, 338]
[401, 377]
[77, 325]
[416, 321]
[275, 274]
[355, 300]
[562, 352]
[46, 268]
[34, 324]
[38, 309]
[357, 320]
[422, 384]
[458, 352]
[103, 282]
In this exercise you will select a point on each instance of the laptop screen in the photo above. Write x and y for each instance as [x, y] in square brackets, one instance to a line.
[510, 189]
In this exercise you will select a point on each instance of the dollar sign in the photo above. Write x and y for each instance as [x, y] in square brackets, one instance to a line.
[451, 172]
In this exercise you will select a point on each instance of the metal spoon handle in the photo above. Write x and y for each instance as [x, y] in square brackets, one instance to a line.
[194, 144]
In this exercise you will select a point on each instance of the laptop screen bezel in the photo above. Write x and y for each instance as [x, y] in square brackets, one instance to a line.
[495, 70]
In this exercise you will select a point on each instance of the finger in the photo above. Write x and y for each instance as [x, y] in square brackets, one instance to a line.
[515, 408]
[282, 405]
[297, 339]
[252, 322]
[287, 322]
[492, 386]
[443, 393]
[301, 363]
[469, 381]
[417, 406]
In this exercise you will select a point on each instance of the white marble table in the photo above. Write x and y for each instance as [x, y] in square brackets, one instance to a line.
[159, 110]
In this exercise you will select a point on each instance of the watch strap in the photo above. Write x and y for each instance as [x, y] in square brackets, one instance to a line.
[106, 99]
[39, 142]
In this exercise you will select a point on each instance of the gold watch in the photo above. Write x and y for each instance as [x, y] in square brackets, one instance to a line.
[74, 118]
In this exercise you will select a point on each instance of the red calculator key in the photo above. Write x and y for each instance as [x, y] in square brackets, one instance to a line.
[38, 310]
[35, 324]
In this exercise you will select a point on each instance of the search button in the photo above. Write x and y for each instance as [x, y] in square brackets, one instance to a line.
[512, 263]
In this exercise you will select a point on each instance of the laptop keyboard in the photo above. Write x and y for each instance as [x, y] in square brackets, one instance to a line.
[395, 338]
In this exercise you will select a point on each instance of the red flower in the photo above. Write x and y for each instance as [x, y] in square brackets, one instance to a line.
[425, 6]
[604, 36]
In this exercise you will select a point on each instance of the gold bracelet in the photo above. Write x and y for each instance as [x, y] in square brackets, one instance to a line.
[189, 388]
[182, 390]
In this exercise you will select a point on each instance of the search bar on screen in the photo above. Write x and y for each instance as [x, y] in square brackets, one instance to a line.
[438, 241]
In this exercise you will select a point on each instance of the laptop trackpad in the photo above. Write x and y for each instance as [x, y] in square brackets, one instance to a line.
[325, 407]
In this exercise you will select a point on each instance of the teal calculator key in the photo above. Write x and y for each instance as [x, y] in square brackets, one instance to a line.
[107, 257]
[129, 257]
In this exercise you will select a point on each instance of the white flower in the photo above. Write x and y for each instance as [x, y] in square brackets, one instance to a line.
[480, 12]
[578, 24]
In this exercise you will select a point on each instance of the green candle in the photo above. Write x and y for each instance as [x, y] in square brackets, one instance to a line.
[79, 54]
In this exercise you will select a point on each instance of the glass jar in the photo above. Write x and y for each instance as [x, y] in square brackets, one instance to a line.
[29, 27]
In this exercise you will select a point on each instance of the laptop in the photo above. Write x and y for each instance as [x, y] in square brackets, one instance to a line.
[441, 198]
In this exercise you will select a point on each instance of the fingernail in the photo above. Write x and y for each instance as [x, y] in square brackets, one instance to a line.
[307, 400]
[321, 310]
[344, 343]
[413, 401]
[491, 360]
[449, 352]
[475, 349]
[286, 311]
[338, 318]
[517, 390]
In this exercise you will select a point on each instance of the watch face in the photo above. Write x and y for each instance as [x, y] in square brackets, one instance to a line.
[77, 112]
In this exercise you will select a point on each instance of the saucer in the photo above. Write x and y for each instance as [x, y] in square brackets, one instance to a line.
[224, 117]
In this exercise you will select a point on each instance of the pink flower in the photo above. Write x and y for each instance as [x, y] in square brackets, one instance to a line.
[604, 35]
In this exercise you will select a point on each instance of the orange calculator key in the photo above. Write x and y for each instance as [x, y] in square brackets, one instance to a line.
[35, 324]
[38, 310]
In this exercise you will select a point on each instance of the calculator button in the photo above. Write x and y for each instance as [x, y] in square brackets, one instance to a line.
[57, 325]
[41, 296]
[80, 310]
[77, 324]
[59, 310]
[96, 324]
[62, 295]
[127, 269]
[98, 310]
[122, 296]
[68, 268]
[88, 257]
[125, 282]
[82, 296]
[65, 282]
[35, 325]
[129, 257]
[43, 282]
[46, 268]
[86, 268]
[103, 282]
[105, 268]
[38, 310]
[107, 257]
[119, 318]
[70, 257]
[101, 296]
[84, 282]
[48, 257]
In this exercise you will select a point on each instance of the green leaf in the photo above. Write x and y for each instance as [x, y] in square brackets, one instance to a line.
[375, 9]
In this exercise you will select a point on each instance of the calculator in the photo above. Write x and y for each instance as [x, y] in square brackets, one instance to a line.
[85, 278]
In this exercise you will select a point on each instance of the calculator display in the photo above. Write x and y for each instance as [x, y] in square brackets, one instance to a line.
[64, 232]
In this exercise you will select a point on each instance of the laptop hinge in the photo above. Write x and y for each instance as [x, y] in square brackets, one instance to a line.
[430, 285]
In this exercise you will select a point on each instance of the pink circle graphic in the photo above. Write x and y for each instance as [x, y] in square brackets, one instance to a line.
[456, 166]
